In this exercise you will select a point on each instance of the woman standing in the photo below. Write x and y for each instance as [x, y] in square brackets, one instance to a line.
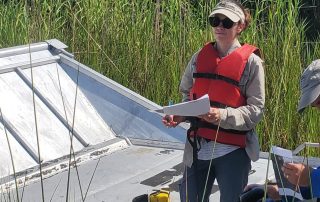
[222, 142]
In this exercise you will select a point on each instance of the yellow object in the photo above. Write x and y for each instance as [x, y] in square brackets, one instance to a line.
[160, 196]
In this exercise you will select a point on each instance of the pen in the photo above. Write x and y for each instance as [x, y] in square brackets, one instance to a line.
[169, 104]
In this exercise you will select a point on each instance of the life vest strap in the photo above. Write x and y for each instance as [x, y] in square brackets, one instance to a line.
[218, 104]
[192, 133]
[215, 77]
[204, 124]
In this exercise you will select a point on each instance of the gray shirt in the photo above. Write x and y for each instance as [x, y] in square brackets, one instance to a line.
[242, 118]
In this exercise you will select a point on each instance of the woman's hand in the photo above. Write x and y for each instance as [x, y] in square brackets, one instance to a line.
[296, 173]
[213, 116]
[172, 121]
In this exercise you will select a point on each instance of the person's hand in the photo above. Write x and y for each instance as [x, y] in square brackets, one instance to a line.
[213, 116]
[273, 192]
[296, 173]
[172, 121]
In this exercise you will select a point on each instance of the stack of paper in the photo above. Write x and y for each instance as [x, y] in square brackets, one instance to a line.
[191, 108]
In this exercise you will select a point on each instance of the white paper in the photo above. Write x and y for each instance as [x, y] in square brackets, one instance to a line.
[284, 153]
[191, 108]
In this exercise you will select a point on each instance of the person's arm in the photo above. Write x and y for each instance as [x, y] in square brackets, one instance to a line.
[315, 185]
[187, 78]
[315, 182]
[185, 87]
[299, 173]
[246, 117]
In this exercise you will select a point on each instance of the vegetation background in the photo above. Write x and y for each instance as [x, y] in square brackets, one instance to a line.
[145, 45]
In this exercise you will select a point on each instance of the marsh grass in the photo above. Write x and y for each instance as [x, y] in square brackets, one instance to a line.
[146, 45]
[149, 43]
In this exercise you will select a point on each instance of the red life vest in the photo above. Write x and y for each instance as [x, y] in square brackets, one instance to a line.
[219, 78]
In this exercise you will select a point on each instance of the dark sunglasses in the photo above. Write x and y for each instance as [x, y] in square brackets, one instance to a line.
[226, 23]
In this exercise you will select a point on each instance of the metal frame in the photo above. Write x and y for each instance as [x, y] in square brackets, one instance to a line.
[304, 145]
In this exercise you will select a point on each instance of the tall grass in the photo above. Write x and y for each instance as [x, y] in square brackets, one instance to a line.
[145, 45]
